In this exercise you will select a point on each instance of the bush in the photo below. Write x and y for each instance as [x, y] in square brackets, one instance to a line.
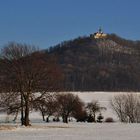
[100, 118]
[109, 120]
[90, 119]
[81, 116]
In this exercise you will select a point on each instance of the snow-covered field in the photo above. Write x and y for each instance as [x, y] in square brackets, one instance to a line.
[73, 131]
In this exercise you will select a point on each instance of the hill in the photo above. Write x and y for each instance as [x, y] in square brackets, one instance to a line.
[90, 64]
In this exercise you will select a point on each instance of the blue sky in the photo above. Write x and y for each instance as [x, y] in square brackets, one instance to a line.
[47, 22]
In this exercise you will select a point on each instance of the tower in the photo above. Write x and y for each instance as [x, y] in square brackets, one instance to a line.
[100, 30]
[100, 34]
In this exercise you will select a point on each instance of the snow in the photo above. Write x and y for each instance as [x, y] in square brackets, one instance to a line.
[72, 131]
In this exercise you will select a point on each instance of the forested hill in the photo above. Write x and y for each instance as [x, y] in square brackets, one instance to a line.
[111, 64]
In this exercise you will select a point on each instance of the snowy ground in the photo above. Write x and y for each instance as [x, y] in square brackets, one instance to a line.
[73, 130]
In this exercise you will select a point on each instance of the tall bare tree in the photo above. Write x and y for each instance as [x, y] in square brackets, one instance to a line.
[26, 70]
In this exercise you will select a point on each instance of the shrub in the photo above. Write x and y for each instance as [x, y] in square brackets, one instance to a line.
[90, 119]
[109, 120]
[100, 118]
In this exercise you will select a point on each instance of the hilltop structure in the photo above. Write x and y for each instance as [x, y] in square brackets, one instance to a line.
[100, 34]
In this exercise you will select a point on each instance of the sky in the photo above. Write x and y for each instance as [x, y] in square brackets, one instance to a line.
[45, 23]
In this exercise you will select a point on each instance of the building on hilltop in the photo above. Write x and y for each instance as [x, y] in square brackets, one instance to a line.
[100, 34]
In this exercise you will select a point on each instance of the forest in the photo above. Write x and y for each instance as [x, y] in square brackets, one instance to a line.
[90, 64]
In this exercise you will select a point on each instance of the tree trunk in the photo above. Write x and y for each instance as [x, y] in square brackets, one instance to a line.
[16, 115]
[26, 119]
[43, 115]
[47, 119]
[94, 117]
[22, 114]
[65, 119]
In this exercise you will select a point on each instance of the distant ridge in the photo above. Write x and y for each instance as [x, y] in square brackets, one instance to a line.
[108, 64]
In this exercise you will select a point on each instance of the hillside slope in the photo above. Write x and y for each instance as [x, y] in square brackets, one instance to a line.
[89, 64]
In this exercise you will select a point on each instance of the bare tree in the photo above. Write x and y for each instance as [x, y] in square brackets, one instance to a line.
[40, 105]
[47, 105]
[118, 105]
[127, 107]
[8, 104]
[25, 70]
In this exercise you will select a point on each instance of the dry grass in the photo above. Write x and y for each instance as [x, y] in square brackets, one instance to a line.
[7, 127]
[46, 127]
[14, 127]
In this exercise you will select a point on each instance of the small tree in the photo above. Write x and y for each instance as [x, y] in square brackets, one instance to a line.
[80, 115]
[118, 105]
[100, 118]
[46, 105]
[67, 105]
[127, 107]
[93, 108]
[8, 104]
[40, 105]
